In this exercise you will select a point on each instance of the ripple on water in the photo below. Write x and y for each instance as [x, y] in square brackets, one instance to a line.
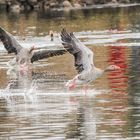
[44, 109]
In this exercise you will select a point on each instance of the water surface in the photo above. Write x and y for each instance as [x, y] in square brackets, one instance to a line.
[37, 106]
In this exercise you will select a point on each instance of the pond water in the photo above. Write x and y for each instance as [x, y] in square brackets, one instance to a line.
[38, 106]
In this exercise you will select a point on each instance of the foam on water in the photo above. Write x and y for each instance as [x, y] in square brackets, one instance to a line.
[32, 94]
[32, 91]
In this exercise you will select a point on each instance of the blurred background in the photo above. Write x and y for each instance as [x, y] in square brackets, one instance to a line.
[38, 106]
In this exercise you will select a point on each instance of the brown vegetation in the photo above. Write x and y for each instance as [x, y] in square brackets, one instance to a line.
[25, 5]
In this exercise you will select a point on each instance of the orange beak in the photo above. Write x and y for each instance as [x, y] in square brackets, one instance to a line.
[117, 68]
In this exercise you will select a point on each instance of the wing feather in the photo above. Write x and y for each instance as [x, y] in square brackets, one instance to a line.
[83, 56]
[9, 42]
[46, 54]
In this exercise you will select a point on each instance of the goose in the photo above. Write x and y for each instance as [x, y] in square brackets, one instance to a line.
[24, 56]
[51, 33]
[83, 57]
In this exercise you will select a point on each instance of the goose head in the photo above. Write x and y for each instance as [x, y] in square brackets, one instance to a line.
[31, 49]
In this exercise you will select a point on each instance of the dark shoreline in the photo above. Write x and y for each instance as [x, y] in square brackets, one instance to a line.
[18, 6]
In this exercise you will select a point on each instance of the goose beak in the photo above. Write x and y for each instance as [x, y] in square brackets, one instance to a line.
[117, 68]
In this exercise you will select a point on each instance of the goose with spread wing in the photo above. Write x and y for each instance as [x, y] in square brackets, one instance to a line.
[24, 56]
[83, 57]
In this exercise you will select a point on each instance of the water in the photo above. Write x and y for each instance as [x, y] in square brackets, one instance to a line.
[37, 106]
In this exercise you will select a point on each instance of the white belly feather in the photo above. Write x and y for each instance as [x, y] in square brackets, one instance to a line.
[89, 76]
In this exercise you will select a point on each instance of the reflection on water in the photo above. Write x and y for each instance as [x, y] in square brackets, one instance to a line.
[118, 80]
[38, 106]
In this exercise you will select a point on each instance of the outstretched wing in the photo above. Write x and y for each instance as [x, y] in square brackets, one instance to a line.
[46, 54]
[9, 42]
[83, 55]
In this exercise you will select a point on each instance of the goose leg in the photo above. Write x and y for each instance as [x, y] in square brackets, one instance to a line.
[71, 85]
[85, 89]
[23, 69]
[12, 62]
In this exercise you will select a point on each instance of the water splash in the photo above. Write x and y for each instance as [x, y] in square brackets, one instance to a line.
[28, 94]
[31, 94]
